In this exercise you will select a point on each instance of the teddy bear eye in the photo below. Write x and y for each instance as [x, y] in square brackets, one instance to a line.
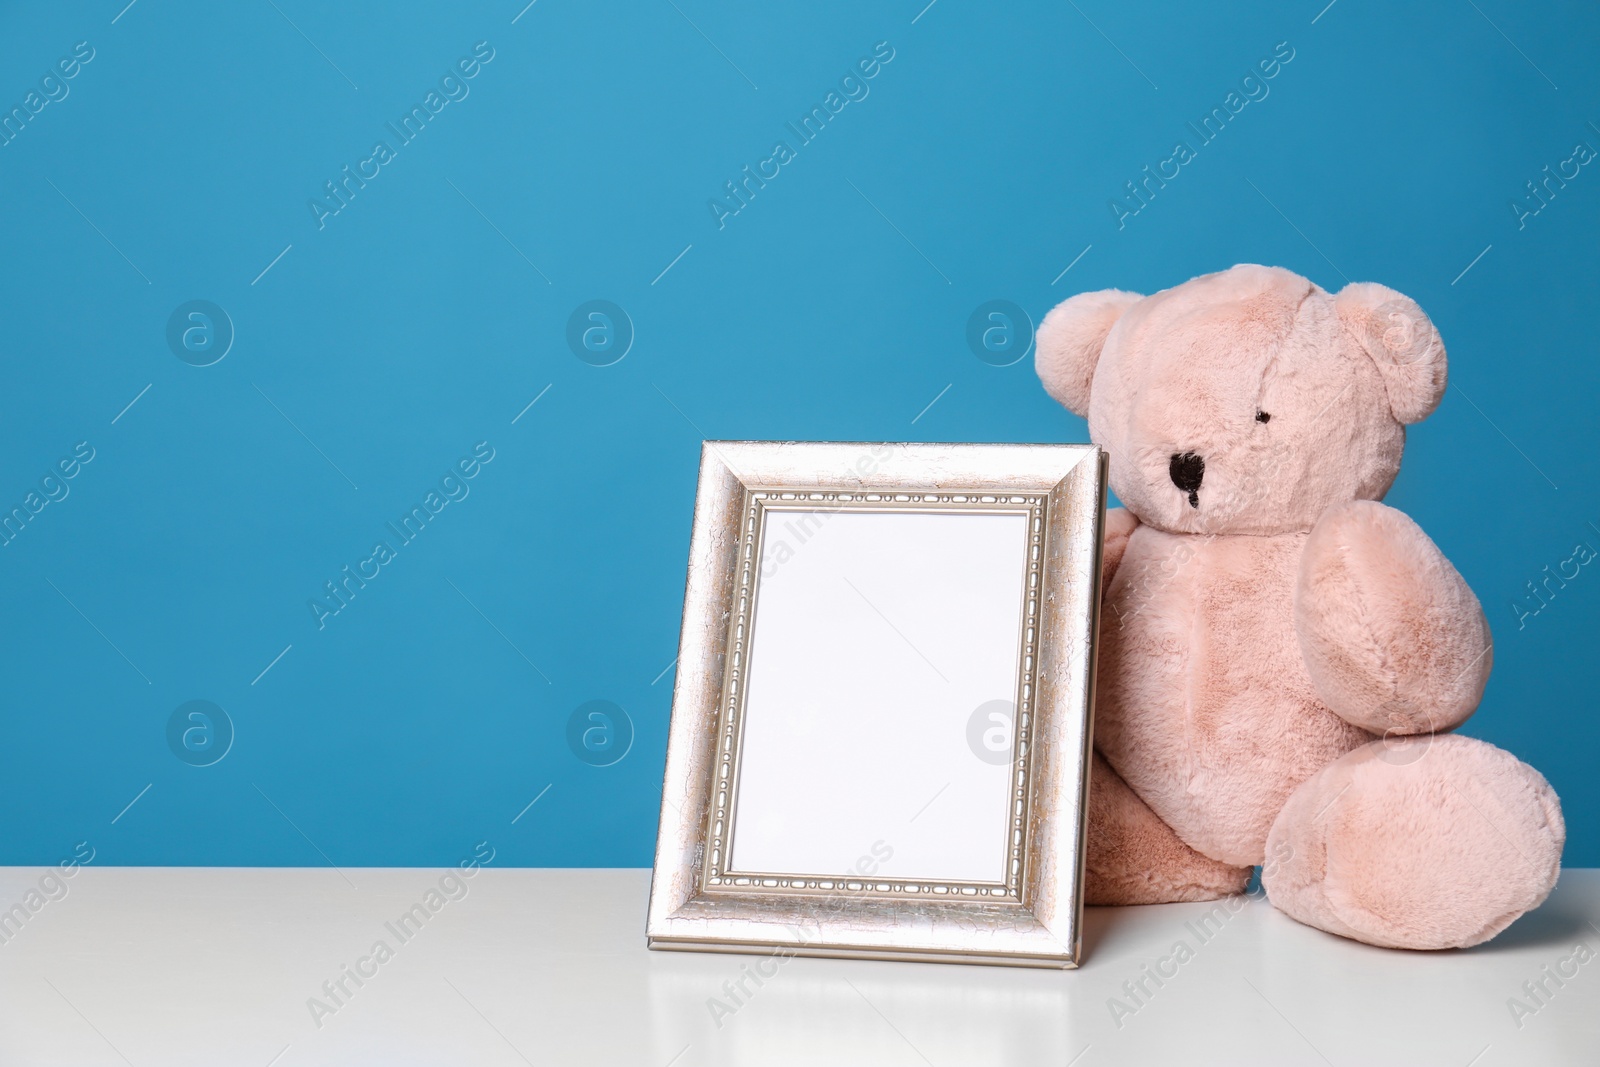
[1262, 416]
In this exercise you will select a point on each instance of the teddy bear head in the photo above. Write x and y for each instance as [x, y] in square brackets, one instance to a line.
[1246, 401]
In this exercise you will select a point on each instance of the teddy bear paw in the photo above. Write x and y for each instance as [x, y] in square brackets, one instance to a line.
[1426, 842]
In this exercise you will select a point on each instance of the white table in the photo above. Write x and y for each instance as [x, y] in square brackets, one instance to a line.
[215, 966]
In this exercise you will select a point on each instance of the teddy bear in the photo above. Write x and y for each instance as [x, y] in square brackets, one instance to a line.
[1282, 658]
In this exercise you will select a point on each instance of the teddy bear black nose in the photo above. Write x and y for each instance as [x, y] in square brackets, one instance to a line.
[1187, 471]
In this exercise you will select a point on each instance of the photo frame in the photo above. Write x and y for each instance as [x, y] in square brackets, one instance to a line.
[863, 622]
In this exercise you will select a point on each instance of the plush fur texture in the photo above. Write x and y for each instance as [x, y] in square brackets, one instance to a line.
[1135, 858]
[1391, 635]
[1204, 705]
[1280, 653]
[1418, 843]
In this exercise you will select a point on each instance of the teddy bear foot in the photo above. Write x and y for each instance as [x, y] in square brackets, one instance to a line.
[1425, 842]
[1135, 858]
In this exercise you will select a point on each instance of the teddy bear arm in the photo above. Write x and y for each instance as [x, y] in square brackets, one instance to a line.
[1394, 640]
[1120, 525]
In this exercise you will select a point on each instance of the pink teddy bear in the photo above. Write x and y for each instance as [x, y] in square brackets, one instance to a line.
[1281, 656]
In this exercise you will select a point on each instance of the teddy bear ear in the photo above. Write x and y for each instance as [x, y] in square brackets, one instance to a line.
[1068, 342]
[1401, 341]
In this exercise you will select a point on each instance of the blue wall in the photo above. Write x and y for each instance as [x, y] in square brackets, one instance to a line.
[375, 347]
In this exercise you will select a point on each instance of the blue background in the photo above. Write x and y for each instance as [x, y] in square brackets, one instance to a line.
[428, 713]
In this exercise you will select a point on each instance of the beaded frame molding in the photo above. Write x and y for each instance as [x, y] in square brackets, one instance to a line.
[1033, 916]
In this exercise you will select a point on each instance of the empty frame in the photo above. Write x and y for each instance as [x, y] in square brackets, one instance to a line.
[880, 726]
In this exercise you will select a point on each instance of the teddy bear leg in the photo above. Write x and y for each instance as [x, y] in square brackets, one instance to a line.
[1425, 842]
[1135, 858]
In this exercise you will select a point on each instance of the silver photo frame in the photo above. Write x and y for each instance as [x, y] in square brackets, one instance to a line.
[863, 621]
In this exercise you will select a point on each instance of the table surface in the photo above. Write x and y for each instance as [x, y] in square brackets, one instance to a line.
[220, 966]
